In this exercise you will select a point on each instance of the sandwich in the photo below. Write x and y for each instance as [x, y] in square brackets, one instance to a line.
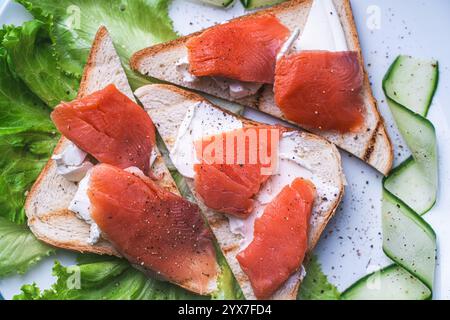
[107, 190]
[299, 61]
[266, 222]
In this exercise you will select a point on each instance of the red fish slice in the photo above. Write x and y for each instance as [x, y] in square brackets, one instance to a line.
[243, 49]
[229, 185]
[110, 127]
[280, 239]
[153, 228]
[321, 90]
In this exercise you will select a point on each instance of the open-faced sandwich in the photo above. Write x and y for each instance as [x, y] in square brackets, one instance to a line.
[267, 213]
[299, 61]
[106, 189]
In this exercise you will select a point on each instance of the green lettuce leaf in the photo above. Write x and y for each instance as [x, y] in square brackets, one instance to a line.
[20, 110]
[132, 24]
[229, 288]
[228, 105]
[19, 249]
[103, 278]
[26, 141]
[33, 59]
[315, 285]
[29, 292]
[107, 278]
[23, 157]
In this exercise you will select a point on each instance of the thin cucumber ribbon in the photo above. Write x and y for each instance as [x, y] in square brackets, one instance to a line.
[409, 191]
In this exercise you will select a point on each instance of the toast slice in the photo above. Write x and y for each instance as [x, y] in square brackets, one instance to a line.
[168, 105]
[48, 200]
[371, 144]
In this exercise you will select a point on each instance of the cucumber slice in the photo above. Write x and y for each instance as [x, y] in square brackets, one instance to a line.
[253, 4]
[408, 239]
[411, 188]
[390, 283]
[412, 82]
[217, 3]
[408, 183]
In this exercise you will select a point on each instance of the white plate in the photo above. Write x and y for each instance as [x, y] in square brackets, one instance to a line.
[351, 244]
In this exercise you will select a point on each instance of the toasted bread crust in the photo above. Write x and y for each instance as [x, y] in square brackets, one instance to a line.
[379, 135]
[102, 32]
[375, 148]
[102, 247]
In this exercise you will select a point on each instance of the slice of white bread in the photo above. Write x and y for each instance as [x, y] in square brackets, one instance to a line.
[47, 202]
[167, 106]
[371, 144]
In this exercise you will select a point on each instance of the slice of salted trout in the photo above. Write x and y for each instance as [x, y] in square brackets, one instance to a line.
[110, 127]
[280, 239]
[153, 228]
[321, 90]
[233, 167]
[243, 49]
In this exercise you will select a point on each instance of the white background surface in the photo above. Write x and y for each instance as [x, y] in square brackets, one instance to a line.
[351, 244]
